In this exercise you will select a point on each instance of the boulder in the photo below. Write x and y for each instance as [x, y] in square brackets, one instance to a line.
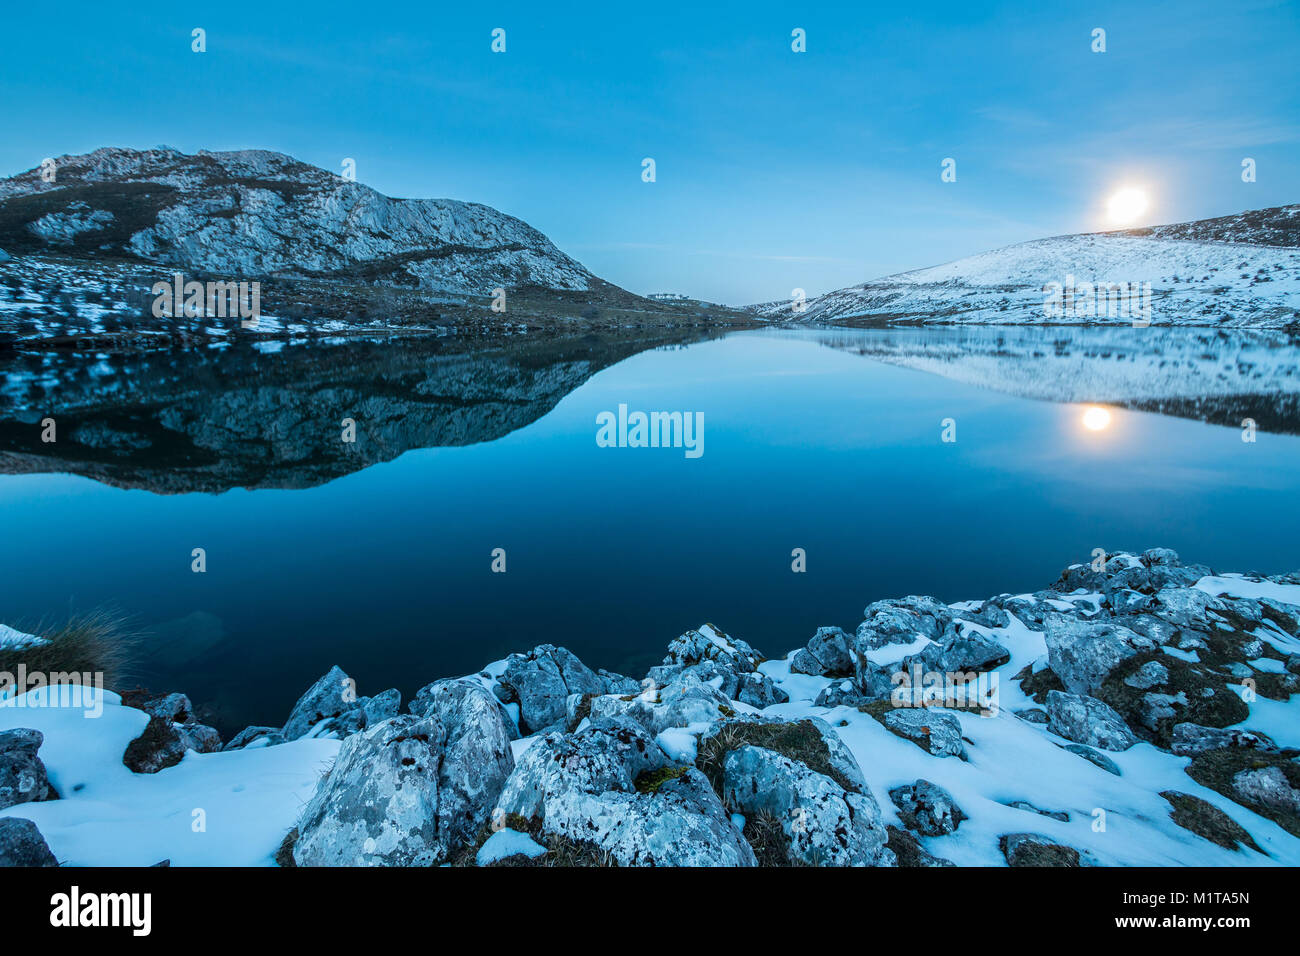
[177, 709]
[541, 680]
[927, 808]
[1267, 787]
[159, 746]
[829, 653]
[610, 788]
[1030, 849]
[711, 643]
[937, 733]
[961, 649]
[1087, 721]
[21, 844]
[1083, 653]
[411, 790]
[901, 621]
[333, 701]
[823, 823]
[22, 774]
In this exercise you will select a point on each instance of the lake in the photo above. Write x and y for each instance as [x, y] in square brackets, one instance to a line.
[377, 555]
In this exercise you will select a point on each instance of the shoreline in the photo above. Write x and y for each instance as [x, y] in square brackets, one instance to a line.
[1153, 699]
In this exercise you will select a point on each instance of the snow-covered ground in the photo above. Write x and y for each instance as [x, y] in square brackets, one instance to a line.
[233, 808]
[1191, 282]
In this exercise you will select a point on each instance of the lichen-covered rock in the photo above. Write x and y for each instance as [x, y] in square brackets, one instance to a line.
[927, 808]
[901, 621]
[829, 654]
[1151, 674]
[1088, 721]
[332, 698]
[934, 732]
[411, 790]
[618, 683]
[1267, 787]
[1083, 653]
[1031, 849]
[22, 774]
[382, 706]
[961, 649]
[1186, 606]
[21, 844]
[425, 697]
[540, 682]
[685, 700]
[710, 643]
[584, 787]
[177, 709]
[824, 824]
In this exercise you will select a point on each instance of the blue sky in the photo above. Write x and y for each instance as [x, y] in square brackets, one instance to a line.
[775, 170]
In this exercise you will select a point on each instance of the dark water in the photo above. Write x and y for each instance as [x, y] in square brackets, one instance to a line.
[382, 565]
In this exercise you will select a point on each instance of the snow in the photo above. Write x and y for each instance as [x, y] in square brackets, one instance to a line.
[12, 639]
[1191, 281]
[507, 843]
[221, 809]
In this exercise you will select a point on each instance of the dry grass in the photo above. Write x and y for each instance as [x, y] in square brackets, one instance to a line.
[95, 643]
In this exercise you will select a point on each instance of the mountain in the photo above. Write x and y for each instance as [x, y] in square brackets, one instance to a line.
[1234, 271]
[254, 213]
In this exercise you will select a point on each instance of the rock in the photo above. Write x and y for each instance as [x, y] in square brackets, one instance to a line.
[1160, 557]
[809, 741]
[907, 848]
[411, 790]
[841, 693]
[158, 747]
[610, 787]
[962, 649]
[1267, 787]
[540, 682]
[829, 653]
[1083, 653]
[22, 773]
[1206, 820]
[1186, 606]
[21, 844]
[937, 733]
[618, 684]
[1030, 808]
[1086, 720]
[711, 643]
[823, 823]
[177, 709]
[686, 700]
[382, 706]
[1030, 849]
[1125, 601]
[901, 621]
[759, 690]
[1093, 757]
[199, 737]
[255, 737]
[425, 696]
[1151, 674]
[332, 698]
[1033, 715]
[988, 614]
[927, 808]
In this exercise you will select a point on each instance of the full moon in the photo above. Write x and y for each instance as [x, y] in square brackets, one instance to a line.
[1096, 418]
[1126, 206]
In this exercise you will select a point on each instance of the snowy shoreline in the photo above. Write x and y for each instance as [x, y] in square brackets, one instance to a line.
[1143, 714]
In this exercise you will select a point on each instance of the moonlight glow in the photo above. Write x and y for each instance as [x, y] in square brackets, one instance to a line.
[1095, 418]
[1126, 206]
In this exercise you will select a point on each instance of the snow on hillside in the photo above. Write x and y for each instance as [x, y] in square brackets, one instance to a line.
[1168, 281]
[256, 213]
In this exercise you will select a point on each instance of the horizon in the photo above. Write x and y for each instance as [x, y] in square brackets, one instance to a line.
[744, 207]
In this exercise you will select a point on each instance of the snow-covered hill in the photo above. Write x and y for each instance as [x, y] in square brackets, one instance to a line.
[254, 213]
[1237, 271]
